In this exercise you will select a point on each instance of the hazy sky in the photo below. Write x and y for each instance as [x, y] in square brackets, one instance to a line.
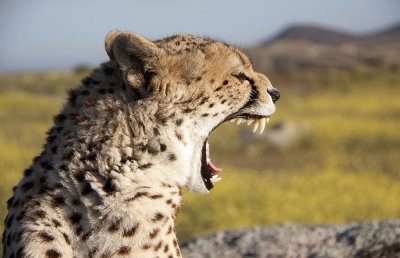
[51, 34]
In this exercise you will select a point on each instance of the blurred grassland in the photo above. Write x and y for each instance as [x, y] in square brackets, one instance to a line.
[345, 169]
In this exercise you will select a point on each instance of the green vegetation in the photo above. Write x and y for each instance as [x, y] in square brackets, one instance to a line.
[344, 168]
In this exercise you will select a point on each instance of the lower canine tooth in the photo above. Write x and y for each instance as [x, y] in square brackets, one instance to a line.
[267, 119]
[215, 179]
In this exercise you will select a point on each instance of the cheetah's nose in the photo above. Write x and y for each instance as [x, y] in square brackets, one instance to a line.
[275, 95]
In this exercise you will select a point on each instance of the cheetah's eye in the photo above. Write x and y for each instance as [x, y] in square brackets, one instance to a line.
[242, 77]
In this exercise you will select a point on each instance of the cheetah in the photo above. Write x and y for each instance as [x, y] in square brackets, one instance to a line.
[130, 137]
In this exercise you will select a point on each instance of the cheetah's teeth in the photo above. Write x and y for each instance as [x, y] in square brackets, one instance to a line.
[239, 121]
[262, 122]
[259, 123]
[255, 125]
[215, 179]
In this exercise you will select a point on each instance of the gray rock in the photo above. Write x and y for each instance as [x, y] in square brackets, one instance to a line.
[367, 240]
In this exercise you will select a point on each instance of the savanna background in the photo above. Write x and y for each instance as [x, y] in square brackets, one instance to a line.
[331, 153]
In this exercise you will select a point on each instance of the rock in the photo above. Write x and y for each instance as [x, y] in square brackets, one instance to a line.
[367, 240]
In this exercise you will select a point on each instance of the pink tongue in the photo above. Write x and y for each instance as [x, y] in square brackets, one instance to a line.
[214, 169]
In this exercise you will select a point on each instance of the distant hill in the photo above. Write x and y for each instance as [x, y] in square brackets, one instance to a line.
[313, 34]
[310, 46]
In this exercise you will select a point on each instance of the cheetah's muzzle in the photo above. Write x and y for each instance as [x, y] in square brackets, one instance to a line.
[209, 171]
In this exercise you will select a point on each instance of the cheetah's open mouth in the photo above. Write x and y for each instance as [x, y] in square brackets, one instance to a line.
[210, 172]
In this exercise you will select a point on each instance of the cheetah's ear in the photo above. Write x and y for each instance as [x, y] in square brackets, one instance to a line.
[126, 47]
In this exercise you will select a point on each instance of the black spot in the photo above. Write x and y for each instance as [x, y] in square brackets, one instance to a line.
[109, 187]
[211, 105]
[72, 97]
[166, 248]
[79, 230]
[198, 78]
[20, 252]
[154, 233]
[156, 196]
[219, 88]
[101, 91]
[204, 100]
[108, 70]
[124, 250]
[114, 225]
[172, 157]
[178, 122]
[156, 131]
[9, 221]
[28, 172]
[58, 200]
[63, 167]
[8, 239]
[46, 237]
[54, 149]
[56, 223]
[223, 102]
[163, 147]
[130, 231]
[66, 238]
[9, 201]
[59, 118]
[87, 189]
[26, 186]
[158, 216]
[80, 177]
[204, 115]
[225, 82]
[92, 157]
[40, 214]
[187, 110]
[86, 236]
[76, 202]
[75, 218]
[15, 204]
[145, 166]
[53, 253]
[51, 138]
[86, 81]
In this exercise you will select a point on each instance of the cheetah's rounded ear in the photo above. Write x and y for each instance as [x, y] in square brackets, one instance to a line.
[125, 47]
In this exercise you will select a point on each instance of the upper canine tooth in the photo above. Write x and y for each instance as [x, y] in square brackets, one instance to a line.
[262, 124]
[255, 125]
[250, 121]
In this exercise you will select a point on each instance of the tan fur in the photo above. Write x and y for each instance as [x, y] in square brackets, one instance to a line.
[108, 182]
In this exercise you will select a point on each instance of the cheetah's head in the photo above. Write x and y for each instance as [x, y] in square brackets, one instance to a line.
[196, 85]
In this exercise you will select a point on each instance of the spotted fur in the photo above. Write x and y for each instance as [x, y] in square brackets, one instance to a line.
[108, 182]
